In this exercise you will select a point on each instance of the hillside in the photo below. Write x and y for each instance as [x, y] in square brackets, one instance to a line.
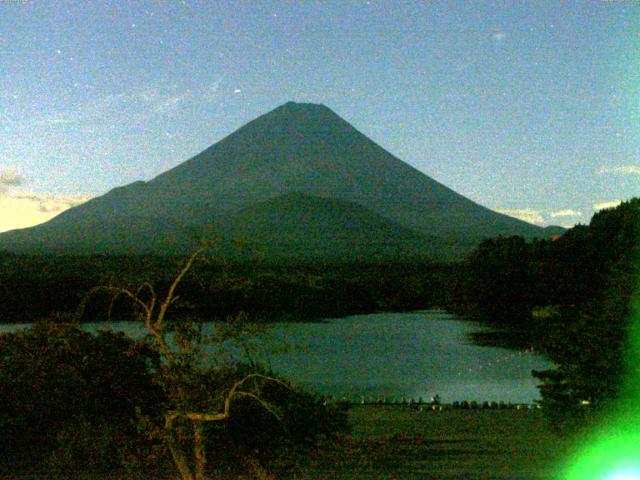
[302, 227]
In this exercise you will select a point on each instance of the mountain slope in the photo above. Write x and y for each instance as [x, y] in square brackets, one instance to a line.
[117, 234]
[297, 148]
[302, 227]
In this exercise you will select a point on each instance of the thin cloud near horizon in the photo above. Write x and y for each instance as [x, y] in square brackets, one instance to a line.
[542, 217]
[621, 170]
[567, 212]
[9, 178]
[25, 210]
[609, 204]
[526, 214]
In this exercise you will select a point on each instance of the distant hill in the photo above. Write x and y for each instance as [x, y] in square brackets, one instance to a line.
[297, 226]
[298, 180]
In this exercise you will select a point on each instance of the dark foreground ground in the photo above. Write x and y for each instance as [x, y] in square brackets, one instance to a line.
[393, 442]
[401, 443]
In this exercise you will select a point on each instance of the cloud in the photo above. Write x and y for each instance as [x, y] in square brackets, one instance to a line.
[172, 102]
[622, 170]
[567, 212]
[59, 118]
[27, 210]
[9, 178]
[106, 107]
[603, 205]
[211, 92]
[136, 104]
[499, 36]
[526, 214]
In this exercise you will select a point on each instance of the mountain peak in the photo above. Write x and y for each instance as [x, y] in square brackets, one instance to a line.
[304, 105]
[302, 148]
[301, 110]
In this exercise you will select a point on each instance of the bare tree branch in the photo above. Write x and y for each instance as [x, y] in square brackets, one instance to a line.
[170, 295]
[233, 393]
[115, 291]
[188, 344]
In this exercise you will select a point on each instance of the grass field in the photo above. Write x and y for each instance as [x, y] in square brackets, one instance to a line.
[402, 443]
[394, 442]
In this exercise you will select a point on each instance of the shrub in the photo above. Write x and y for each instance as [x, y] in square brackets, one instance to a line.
[71, 401]
[253, 437]
[69, 398]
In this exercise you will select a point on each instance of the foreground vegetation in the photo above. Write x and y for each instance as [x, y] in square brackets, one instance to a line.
[376, 442]
[569, 299]
[70, 401]
[75, 402]
[403, 443]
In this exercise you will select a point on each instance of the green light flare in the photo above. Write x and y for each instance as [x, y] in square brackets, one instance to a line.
[624, 474]
[612, 450]
[611, 454]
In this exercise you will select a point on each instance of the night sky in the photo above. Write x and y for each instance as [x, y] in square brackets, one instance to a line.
[530, 108]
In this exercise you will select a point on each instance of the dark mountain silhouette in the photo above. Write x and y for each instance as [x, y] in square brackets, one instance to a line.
[297, 177]
[297, 226]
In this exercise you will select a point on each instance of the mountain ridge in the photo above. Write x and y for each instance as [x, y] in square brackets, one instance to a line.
[296, 148]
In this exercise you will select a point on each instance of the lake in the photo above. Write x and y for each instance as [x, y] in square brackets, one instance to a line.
[392, 355]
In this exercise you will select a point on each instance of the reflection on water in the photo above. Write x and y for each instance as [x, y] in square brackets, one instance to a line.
[392, 355]
[398, 355]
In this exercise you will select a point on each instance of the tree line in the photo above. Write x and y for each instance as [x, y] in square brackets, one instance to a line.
[34, 287]
[569, 298]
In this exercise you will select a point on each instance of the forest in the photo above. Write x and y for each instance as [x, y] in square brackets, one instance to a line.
[34, 287]
[571, 299]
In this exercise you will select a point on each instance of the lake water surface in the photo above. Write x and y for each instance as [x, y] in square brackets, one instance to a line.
[392, 355]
